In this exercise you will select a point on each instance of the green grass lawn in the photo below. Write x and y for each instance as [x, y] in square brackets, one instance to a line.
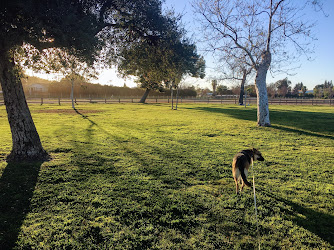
[131, 176]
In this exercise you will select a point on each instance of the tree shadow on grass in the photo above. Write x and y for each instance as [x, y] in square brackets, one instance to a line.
[85, 117]
[17, 185]
[316, 124]
[316, 222]
[185, 206]
[303, 132]
[95, 159]
[248, 114]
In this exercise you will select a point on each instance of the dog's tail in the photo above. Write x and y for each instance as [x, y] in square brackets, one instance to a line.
[243, 176]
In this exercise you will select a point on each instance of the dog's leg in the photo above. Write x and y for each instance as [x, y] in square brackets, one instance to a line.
[242, 186]
[236, 185]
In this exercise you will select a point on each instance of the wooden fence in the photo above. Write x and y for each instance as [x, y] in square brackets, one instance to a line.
[226, 100]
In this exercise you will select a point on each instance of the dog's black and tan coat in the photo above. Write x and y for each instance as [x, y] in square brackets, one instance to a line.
[240, 166]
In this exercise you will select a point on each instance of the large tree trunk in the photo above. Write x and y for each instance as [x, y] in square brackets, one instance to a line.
[26, 142]
[143, 99]
[261, 91]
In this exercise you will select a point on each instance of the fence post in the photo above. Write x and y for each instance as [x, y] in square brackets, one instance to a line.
[41, 100]
[59, 101]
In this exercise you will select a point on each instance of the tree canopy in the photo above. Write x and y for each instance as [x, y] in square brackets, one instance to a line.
[262, 31]
[84, 28]
[283, 86]
[157, 65]
[325, 90]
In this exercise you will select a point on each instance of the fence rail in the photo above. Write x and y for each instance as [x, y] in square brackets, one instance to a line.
[229, 100]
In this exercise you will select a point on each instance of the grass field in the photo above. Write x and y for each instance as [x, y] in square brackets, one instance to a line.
[130, 176]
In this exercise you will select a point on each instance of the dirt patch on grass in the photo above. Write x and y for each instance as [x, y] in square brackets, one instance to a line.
[69, 111]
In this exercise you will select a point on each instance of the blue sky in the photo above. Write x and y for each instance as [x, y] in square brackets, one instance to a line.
[311, 73]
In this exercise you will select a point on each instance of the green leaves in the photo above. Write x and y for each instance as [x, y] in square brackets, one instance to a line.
[164, 61]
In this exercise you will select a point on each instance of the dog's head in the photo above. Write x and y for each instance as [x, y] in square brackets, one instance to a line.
[257, 155]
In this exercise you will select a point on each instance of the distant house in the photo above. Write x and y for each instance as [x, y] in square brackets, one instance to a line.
[37, 88]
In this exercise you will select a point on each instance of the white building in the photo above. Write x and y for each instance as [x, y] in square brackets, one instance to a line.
[37, 88]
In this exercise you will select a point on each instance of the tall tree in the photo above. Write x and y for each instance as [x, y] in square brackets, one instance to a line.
[262, 29]
[283, 87]
[214, 86]
[145, 62]
[245, 73]
[164, 62]
[42, 24]
[75, 24]
[272, 90]
[233, 64]
[223, 90]
[297, 88]
[70, 66]
[238, 68]
[325, 90]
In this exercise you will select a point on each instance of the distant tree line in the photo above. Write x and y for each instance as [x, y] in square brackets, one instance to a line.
[57, 89]
[281, 88]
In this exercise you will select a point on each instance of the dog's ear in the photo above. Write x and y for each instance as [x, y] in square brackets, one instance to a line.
[255, 150]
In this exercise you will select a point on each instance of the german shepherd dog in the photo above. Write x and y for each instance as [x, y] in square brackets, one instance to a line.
[240, 166]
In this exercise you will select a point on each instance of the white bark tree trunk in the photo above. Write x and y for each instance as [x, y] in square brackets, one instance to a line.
[261, 91]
